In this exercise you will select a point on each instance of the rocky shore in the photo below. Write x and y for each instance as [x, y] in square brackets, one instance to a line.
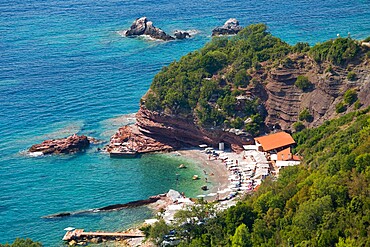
[70, 144]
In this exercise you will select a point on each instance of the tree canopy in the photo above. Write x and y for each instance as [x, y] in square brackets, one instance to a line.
[323, 202]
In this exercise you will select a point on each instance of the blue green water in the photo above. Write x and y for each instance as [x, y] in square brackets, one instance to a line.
[64, 70]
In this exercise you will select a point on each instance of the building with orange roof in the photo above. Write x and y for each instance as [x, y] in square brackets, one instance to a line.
[275, 142]
[286, 154]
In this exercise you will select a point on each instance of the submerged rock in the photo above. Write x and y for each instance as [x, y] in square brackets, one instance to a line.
[230, 27]
[142, 26]
[71, 144]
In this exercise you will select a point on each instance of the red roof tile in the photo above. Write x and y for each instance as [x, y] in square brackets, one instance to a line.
[273, 141]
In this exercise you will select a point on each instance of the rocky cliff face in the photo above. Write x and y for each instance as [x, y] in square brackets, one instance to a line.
[284, 101]
[155, 131]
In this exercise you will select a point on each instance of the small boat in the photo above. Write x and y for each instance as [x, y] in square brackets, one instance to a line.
[123, 154]
[204, 187]
[182, 166]
[195, 177]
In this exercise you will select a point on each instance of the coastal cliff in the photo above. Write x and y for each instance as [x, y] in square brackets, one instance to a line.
[284, 101]
[155, 131]
[236, 88]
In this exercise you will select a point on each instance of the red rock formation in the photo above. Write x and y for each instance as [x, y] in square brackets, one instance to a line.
[155, 131]
[71, 144]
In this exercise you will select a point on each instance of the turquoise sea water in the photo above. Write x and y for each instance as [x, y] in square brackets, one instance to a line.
[64, 70]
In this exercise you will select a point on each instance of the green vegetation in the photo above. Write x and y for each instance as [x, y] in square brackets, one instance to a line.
[338, 51]
[305, 116]
[350, 97]
[323, 202]
[351, 76]
[340, 107]
[303, 83]
[329, 69]
[204, 84]
[298, 126]
[20, 242]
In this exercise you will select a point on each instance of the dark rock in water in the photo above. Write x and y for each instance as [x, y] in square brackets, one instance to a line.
[230, 27]
[59, 215]
[181, 35]
[142, 26]
[71, 144]
[138, 27]
[114, 207]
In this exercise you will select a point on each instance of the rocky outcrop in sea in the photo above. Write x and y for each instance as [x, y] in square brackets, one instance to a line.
[230, 27]
[142, 26]
[70, 144]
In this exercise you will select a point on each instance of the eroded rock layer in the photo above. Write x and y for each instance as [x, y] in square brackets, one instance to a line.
[154, 131]
[71, 144]
[275, 87]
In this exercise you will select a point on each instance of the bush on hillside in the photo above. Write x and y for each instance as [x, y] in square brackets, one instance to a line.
[303, 83]
[338, 51]
[351, 76]
[350, 97]
[340, 107]
[298, 126]
[305, 116]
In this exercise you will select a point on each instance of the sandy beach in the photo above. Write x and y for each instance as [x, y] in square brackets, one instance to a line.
[216, 172]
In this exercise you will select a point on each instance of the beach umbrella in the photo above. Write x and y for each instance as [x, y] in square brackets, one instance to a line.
[69, 228]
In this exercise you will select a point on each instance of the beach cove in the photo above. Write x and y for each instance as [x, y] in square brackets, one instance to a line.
[64, 69]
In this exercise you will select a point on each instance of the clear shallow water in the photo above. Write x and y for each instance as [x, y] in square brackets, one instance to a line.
[64, 70]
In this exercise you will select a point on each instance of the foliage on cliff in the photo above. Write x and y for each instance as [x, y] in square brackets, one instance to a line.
[338, 51]
[20, 242]
[205, 83]
[211, 84]
[324, 202]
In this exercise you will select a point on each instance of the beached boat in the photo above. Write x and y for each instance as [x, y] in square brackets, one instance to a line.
[123, 154]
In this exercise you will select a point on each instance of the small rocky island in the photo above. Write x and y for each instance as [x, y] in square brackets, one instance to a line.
[142, 26]
[70, 144]
[230, 27]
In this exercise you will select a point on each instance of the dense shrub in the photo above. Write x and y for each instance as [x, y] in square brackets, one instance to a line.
[340, 107]
[298, 126]
[350, 97]
[303, 83]
[351, 76]
[338, 51]
[305, 116]
[241, 78]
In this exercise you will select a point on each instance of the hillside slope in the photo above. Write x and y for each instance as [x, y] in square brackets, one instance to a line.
[252, 83]
[323, 202]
